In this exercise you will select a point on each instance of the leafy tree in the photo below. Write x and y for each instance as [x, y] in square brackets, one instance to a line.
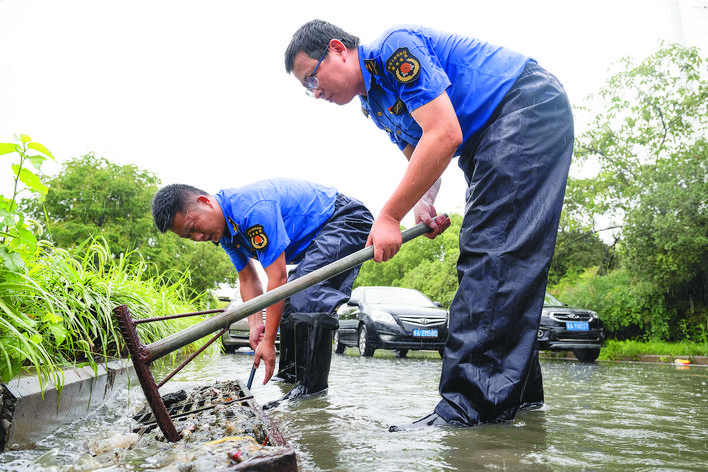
[577, 250]
[629, 308]
[669, 227]
[650, 142]
[92, 198]
[423, 264]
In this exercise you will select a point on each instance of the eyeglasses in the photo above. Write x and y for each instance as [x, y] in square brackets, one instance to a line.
[312, 82]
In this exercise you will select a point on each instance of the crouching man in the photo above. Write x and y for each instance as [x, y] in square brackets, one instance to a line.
[278, 222]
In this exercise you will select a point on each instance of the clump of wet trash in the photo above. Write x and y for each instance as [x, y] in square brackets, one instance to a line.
[219, 430]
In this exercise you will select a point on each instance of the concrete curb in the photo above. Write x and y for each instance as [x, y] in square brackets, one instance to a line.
[28, 414]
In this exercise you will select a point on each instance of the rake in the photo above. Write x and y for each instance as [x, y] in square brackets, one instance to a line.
[144, 355]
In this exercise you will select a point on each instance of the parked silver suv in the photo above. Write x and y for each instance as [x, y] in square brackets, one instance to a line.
[237, 336]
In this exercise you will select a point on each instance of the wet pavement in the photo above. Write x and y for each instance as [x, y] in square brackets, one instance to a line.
[604, 416]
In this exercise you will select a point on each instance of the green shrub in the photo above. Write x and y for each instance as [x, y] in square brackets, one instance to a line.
[56, 307]
[629, 307]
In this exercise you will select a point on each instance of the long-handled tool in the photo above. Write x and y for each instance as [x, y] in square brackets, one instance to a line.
[143, 355]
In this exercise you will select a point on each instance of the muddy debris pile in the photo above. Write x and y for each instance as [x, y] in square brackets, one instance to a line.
[221, 428]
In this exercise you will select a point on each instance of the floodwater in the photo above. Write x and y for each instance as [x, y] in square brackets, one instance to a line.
[603, 416]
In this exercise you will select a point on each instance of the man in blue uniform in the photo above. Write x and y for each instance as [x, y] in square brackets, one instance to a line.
[278, 222]
[439, 96]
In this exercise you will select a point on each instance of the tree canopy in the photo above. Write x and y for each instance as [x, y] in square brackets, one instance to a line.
[93, 198]
[650, 143]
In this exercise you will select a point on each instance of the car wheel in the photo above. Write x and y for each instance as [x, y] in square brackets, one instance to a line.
[365, 349]
[338, 347]
[586, 355]
[400, 352]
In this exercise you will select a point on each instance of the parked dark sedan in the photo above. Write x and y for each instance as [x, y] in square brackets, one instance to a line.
[400, 319]
[570, 329]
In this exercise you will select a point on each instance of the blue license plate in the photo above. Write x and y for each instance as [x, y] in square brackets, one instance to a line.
[577, 326]
[425, 333]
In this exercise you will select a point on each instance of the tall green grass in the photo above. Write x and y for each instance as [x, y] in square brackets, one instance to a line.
[56, 309]
[59, 312]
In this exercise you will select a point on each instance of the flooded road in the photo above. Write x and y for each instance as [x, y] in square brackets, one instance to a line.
[604, 416]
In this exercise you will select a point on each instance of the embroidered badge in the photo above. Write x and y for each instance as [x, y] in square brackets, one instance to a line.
[398, 108]
[403, 65]
[257, 236]
[371, 66]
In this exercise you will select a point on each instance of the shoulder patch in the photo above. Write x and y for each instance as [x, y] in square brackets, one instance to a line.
[257, 237]
[398, 108]
[371, 66]
[404, 66]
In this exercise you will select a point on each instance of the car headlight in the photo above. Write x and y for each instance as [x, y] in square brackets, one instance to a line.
[382, 317]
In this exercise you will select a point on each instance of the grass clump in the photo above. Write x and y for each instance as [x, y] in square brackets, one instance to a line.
[59, 312]
[633, 350]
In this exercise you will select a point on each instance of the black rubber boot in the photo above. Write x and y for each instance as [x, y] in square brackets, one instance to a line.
[312, 354]
[532, 398]
[286, 363]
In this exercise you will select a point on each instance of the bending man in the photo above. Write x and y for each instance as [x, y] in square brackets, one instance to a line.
[441, 95]
[278, 222]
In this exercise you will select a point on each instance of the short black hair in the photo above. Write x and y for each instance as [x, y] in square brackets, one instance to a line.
[170, 200]
[312, 38]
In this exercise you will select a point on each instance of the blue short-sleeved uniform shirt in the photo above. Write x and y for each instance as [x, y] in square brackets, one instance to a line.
[271, 217]
[408, 66]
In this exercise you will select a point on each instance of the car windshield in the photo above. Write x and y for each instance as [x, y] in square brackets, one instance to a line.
[550, 300]
[396, 296]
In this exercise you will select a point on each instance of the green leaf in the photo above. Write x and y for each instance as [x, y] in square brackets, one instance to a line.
[9, 364]
[37, 161]
[12, 260]
[6, 148]
[30, 179]
[27, 236]
[25, 139]
[52, 318]
[39, 148]
[59, 332]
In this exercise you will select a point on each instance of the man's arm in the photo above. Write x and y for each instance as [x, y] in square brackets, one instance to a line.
[277, 276]
[251, 287]
[427, 162]
[424, 211]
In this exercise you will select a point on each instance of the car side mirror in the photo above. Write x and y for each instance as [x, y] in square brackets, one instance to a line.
[438, 304]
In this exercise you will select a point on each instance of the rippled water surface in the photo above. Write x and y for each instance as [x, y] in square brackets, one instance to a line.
[604, 416]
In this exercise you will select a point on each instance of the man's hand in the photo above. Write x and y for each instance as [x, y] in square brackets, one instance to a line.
[266, 352]
[424, 212]
[255, 336]
[385, 235]
[277, 276]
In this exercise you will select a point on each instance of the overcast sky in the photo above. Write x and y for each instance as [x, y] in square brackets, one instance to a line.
[196, 91]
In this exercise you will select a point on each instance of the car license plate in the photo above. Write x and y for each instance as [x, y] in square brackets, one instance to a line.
[577, 326]
[425, 333]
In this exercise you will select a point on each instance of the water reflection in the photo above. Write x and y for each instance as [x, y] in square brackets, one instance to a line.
[607, 416]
